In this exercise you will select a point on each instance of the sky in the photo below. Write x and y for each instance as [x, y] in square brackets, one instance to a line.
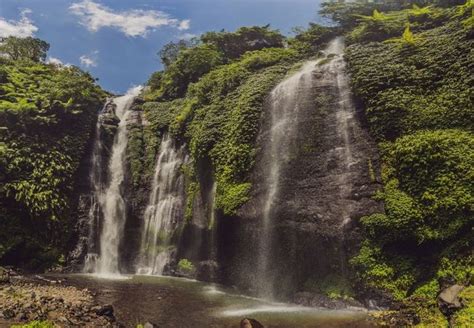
[117, 40]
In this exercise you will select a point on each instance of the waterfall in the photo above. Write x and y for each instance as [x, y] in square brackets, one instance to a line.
[288, 105]
[164, 211]
[212, 228]
[345, 123]
[108, 205]
[284, 102]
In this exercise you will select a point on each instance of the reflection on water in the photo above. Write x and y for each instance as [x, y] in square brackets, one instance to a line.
[183, 303]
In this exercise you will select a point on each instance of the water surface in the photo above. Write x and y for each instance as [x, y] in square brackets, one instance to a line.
[182, 303]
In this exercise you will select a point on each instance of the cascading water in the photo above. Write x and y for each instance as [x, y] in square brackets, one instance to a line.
[345, 124]
[284, 104]
[108, 204]
[340, 148]
[164, 211]
[212, 224]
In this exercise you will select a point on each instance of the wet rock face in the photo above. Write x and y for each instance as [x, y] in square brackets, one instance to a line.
[327, 178]
[136, 195]
[208, 271]
[328, 183]
[76, 256]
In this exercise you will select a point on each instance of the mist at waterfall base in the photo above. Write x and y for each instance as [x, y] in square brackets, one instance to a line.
[310, 179]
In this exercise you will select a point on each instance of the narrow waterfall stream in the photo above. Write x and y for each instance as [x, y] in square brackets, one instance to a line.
[344, 119]
[212, 224]
[285, 100]
[164, 211]
[108, 204]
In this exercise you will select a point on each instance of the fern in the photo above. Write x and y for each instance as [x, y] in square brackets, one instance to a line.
[407, 36]
[417, 11]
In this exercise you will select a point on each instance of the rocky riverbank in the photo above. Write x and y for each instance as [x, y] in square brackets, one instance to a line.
[24, 299]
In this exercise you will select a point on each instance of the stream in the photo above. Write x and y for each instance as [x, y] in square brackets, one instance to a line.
[182, 303]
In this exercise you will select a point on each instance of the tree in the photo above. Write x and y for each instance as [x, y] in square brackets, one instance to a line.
[155, 79]
[170, 51]
[234, 44]
[24, 48]
[188, 67]
[308, 40]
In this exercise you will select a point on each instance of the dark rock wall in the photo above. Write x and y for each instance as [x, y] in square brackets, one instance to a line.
[321, 195]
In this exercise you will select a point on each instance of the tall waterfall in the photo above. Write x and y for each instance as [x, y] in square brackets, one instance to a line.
[108, 205]
[284, 103]
[290, 104]
[164, 211]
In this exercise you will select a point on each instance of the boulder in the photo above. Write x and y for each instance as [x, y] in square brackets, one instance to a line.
[250, 323]
[105, 310]
[8, 314]
[448, 299]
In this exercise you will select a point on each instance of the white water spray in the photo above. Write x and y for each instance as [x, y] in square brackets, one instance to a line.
[164, 211]
[109, 201]
[285, 100]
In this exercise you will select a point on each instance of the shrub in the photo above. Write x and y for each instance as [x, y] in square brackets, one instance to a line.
[186, 266]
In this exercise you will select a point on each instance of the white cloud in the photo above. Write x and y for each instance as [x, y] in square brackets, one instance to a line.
[56, 61]
[89, 60]
[184, 25]
[21, 28]
[136, 22]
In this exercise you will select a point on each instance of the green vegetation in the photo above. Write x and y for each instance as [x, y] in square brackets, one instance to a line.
[186, 266]
[35, 324]
[216, 108]
[333, 286]
[411, 69]
[465, 317]
[233, 45]
[24, 48]
[47, 114]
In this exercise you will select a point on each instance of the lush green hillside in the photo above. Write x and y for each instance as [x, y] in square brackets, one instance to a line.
[47, 114]
[412, 72]
[211, 95]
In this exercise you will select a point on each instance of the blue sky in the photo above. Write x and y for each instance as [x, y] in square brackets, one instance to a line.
[117, 40]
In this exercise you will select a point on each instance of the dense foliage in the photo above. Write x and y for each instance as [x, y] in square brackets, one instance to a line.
[220, 118]
[412, 72]
[46, 116]
[24, 48]
[217, 112]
